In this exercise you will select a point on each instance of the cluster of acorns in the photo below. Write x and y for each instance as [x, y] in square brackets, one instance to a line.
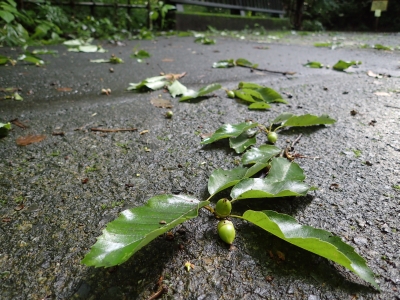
[226, 230]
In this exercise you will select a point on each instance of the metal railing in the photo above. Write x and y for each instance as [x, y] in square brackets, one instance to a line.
[268, 6]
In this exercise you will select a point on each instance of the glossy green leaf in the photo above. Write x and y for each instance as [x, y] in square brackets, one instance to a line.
[242, 142]
[281, 118]
[285, 170]
[220, 180]
[177, 88]
[226, 63]
[343, 65]
[190, 94]
[308, 120]
[265, 188]
[259, 158]
[137, 227]
[17, 97]
[259, 106]
[314, 64]
[228, 131]
[317, 241]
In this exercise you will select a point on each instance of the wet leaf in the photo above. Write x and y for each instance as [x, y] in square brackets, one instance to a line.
[242, 142]
[220, 180]
[30, 139]
[314, 64]
[177, 88]
[137, 227]
[308, 120]
[190, 94]
[228, 131]
[343, 65]
[317, 241]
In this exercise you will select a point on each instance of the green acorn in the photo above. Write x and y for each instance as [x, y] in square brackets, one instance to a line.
[226, 231]
[231, 94]
[272, 137]
[223, 208]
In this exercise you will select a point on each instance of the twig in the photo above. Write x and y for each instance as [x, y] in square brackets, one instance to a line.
[296, 140]
[269, 71]
[113, 130]
[162, 290]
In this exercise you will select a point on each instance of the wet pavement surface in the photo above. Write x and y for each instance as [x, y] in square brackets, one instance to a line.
[57, 195]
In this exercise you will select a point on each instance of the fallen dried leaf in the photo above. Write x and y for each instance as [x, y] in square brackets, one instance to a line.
[16, 122]
[167, 60]
[64, 89]
[281, 255]
[6, 219]
[382, 94]
[172, 77]
[160, 102]
[30, 139]
[144, 131]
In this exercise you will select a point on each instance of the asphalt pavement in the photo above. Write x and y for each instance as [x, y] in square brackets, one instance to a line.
[58, 194]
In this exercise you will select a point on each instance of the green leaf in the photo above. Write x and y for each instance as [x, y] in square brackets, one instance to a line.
[141, 54]
[153, 83]
[6, 16]
[5, 125]
[317, 241]
[3, 60]
[88, 48]
[245, 63]
[205, 41]
[245, 96]
[249, 85]
[226, 63]
[176, 88]
[269, 95]
[314, 64]
[28, 57]
[307, 120]
[382, 47]
[259, 157]
[282, 118]
[137, 227]
[242, 142]
[17, 97]
[220, 180]
[228, 131]
[284, 170]
[100, 60]
[259, 106]
[190, 94]
[265, 188]
[44, 51]
[342, 65]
